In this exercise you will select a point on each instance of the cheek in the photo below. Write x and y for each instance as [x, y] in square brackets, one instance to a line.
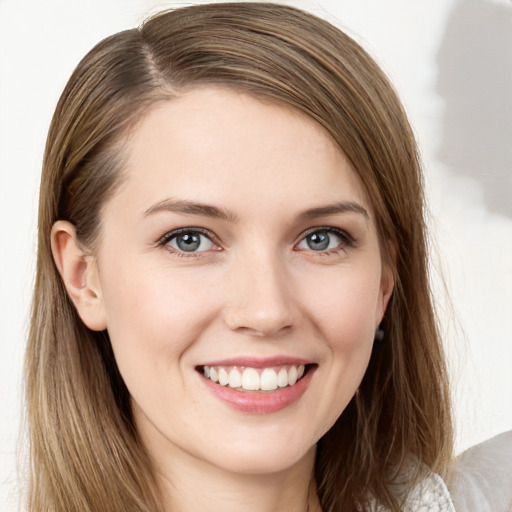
[152, 317]
[346, 308]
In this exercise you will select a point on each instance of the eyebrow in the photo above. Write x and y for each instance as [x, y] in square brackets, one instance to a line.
[206, 210]
[333, 209]
[191, 208]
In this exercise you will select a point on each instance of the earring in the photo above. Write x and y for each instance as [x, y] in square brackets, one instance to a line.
[379, 333]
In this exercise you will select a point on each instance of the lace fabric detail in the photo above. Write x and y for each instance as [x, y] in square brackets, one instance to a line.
[429, 495]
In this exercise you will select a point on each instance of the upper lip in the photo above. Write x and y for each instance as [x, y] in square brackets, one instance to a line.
[259, 362]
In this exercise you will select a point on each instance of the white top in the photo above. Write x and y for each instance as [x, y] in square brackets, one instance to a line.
[481, 481]
[429, 495]
[482, 477]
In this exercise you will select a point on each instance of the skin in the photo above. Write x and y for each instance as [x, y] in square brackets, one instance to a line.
[257, 289]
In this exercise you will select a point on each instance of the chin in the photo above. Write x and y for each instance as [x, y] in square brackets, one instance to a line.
[270, 458]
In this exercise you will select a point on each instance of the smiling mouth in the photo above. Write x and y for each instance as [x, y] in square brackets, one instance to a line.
[255, 379]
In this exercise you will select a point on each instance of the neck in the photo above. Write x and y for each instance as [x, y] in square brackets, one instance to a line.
[189, 485]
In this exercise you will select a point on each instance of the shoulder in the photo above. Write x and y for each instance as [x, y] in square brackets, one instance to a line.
[482, 476]
[430, 494]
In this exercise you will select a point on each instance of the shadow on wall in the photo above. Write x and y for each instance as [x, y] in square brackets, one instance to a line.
[475, 82]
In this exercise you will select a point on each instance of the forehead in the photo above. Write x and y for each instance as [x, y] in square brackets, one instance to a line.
[214, 144]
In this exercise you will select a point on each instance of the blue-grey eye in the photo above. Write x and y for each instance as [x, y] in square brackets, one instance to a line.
[190, 241]
[321, 240]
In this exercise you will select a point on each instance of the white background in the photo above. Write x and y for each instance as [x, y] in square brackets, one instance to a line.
[451, 62]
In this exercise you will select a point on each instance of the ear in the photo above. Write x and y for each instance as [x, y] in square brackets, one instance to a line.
[79, 273]
[387, 283]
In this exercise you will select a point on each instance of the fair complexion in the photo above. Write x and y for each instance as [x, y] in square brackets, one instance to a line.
[240, 240]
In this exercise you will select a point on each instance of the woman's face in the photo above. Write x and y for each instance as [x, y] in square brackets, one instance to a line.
[239, 254]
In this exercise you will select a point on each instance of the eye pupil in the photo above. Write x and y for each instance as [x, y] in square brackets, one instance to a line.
[188, 242]
[318, 241]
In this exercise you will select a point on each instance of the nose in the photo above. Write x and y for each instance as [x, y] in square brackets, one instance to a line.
[261, 302]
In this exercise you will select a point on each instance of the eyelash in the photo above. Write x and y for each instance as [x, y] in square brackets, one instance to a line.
[168, 237]
[347, 240]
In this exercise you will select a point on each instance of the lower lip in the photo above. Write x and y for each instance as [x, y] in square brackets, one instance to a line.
[258, 402]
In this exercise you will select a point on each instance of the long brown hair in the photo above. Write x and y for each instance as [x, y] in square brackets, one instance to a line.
[85, 452]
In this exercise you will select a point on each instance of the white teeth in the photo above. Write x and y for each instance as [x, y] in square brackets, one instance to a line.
[268, 380]
[282, 378]
[223, 377]
[292, 376]
[235, 378]
[253, 380]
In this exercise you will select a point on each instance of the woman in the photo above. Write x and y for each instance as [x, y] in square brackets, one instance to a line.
[232, 306]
